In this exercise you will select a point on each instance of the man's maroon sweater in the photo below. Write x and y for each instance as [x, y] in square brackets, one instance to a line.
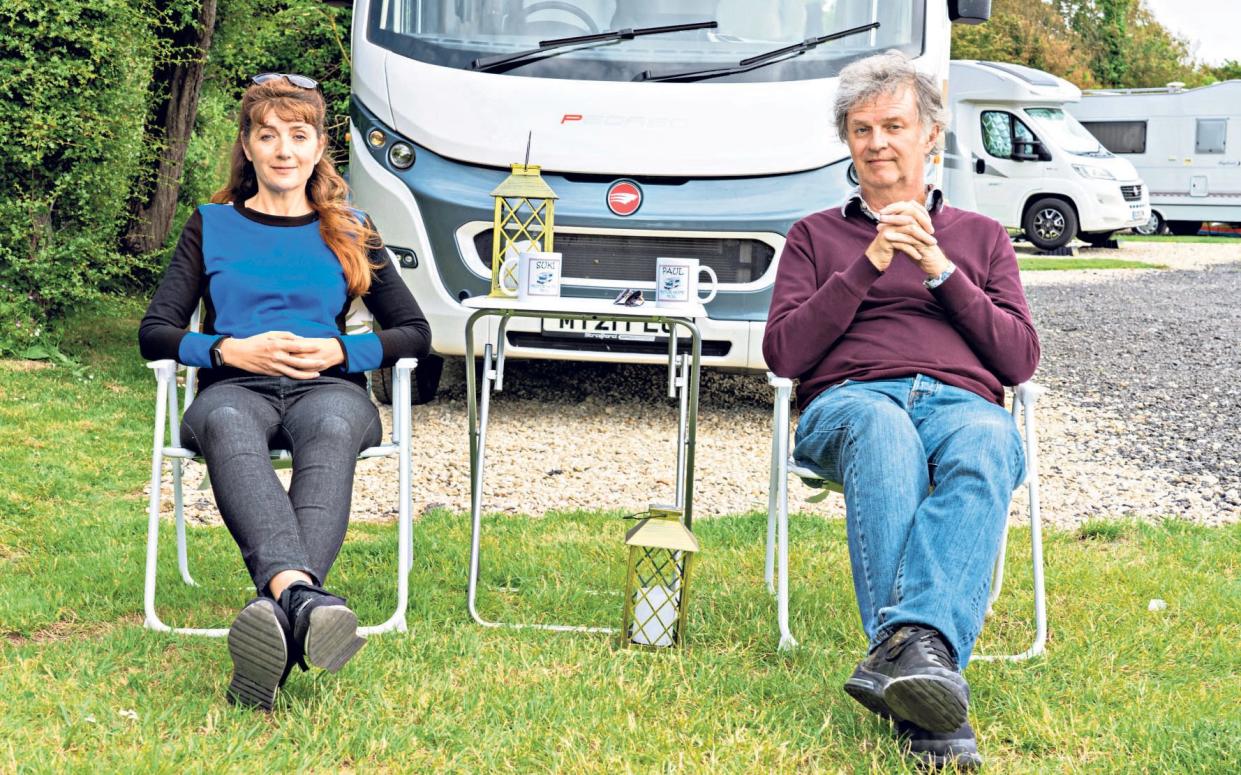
[834, 316]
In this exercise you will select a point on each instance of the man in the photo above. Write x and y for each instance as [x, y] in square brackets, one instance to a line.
[904, 318]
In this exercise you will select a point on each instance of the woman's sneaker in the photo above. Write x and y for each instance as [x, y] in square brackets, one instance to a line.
[259, 648]
[325, 630]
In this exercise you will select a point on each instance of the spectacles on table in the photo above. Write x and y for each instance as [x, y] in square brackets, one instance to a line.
[630, 297]
[301, 81]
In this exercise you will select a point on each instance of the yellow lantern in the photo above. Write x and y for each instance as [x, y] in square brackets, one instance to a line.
[661, 552]
[524, 219]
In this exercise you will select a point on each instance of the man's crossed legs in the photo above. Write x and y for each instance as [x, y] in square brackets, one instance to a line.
[928, 471]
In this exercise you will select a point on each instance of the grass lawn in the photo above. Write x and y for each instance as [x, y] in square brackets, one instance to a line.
[1175, 238]
[1052, 264]
[85, 688]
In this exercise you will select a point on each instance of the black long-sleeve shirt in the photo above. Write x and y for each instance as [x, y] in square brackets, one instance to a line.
[256, 273]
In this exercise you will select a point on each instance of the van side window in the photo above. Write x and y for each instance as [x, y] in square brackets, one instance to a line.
[1004, 136]
[997, 133]
[1119, 136]
[1211, 136]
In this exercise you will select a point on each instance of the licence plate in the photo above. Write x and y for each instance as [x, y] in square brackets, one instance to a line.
[1139, 213]
[616, 330]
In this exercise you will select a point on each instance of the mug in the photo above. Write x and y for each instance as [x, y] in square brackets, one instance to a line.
[676, 282]
[537, 275]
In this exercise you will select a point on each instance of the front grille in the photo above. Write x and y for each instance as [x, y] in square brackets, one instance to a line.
[627, 259]
[1131, 193]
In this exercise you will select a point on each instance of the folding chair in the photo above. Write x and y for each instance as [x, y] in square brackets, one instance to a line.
[782, 465]
[167, 414]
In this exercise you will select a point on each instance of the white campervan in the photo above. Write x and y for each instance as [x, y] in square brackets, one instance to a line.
[717, 113]
[1015, 154]
[1186, 143]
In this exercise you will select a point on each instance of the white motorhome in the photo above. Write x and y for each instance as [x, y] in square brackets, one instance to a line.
[717, 111]
[1186, 143]
[1014, 154]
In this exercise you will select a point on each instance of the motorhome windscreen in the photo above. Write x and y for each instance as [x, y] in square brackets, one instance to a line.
[454, 33]
[1066, 132]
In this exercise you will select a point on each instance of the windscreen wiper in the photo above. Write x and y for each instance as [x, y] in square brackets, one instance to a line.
[549, 47]
[756, 61]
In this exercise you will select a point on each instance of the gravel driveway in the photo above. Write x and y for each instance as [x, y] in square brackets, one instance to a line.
[1142, 417]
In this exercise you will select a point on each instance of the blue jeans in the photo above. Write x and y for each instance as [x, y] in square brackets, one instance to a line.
[325, 422]
[918, 555]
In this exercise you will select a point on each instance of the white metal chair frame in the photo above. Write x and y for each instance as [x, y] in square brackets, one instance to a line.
[166, 409]
[782, 465]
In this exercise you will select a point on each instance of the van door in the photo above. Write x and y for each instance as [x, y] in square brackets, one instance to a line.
[1015, 162]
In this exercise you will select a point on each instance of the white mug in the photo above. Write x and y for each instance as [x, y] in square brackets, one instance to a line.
[537, 275]
[676, 282]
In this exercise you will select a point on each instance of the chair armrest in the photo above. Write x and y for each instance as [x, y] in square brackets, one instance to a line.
[1028, 392]
[165, 369]
[778, 382]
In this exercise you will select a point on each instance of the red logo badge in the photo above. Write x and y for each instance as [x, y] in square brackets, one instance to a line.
[624, 197]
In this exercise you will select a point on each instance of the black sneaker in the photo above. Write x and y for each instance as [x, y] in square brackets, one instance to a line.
[912, 676]
[940, 749]
[325, 630]
[259, 648]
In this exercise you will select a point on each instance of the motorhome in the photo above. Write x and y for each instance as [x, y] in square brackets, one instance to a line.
[1186, 144]
[1015, 154]
[710, 121]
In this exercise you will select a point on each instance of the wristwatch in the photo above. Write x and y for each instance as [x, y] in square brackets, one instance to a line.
[217, 359]
[932, 283]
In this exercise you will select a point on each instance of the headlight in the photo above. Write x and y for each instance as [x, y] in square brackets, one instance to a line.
[1098, 173]
[401, 155]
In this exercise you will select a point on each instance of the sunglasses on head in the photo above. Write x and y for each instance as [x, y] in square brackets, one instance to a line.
[630, 297]
[301, 81]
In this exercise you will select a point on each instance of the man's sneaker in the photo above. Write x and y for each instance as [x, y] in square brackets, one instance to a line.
[940, 749]
[325, 631]
[259, 648]
[912, 676]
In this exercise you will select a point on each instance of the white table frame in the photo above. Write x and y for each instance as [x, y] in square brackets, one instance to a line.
[683, 382]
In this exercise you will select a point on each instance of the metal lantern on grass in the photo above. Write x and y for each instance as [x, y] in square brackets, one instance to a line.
[661, 552]
[524, 218]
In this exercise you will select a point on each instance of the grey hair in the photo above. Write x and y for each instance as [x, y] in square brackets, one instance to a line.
[885, 74]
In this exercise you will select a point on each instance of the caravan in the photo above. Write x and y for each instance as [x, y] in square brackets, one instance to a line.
[1014, 154]
[671, 128]
[1186, 143]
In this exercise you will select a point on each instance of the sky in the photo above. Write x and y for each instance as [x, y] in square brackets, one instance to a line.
[1212, 27]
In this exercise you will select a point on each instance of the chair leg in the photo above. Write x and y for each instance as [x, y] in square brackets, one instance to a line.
[997, 572]
[178, 501]
[787, 641]
[1026, 408]
[772, 499]
[404, 549]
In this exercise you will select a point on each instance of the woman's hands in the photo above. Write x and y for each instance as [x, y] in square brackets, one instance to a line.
[282, 354]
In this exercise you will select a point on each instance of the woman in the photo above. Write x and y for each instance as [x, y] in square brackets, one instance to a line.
[276, 261]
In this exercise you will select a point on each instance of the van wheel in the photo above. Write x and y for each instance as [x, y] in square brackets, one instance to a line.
[1184, 228]
[426, 381]
[1049, 223]
[1154, 225]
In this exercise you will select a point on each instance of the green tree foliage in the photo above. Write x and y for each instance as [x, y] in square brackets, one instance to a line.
[1092, 43]
[73, 90]
[76, 97]
[1027, 32]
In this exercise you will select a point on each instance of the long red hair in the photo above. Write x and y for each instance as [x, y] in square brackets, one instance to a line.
[347, 237]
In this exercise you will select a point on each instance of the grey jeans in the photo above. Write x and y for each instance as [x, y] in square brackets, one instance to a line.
[324, 422]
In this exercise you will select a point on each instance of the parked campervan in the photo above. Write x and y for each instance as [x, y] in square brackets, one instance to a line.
[1014, 154]
[709, 120]
[1186, 144]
